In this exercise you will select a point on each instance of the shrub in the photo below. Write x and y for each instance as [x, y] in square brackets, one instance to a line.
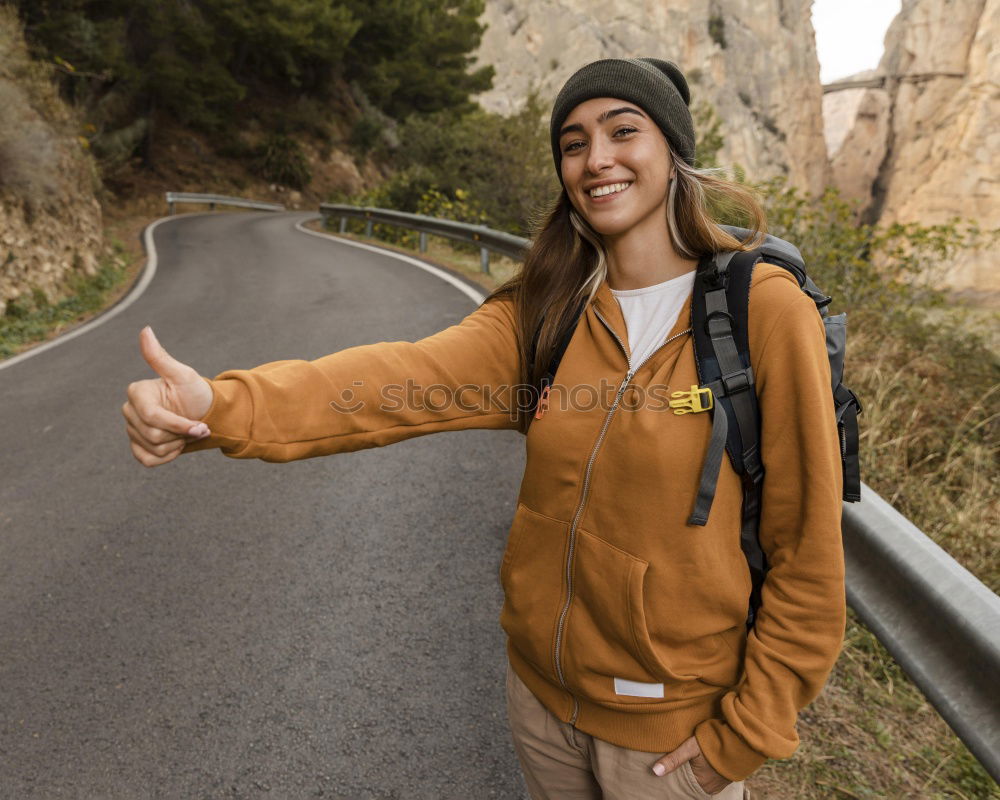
[34, 78]
[365, 133]
[504, 163]
[717, 30]
[31, 121]
[928, 382]
[459, 207]
[281, 160]
[29, 155]
[402, 191]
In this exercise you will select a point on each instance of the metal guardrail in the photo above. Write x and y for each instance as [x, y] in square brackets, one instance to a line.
[933, 616]
[214, 200]
[487, 239]
[936, 619]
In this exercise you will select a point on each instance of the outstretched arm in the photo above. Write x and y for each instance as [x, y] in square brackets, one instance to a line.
[368, 396]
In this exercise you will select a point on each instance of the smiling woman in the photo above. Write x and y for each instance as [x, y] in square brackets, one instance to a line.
[624, 238]
[634, 210]
[635, 670]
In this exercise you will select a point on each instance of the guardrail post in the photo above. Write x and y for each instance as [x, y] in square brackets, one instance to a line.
[343, 224]
[171, 205]
[423, 242]
[484, 259]
[211, 206]
[368, 228]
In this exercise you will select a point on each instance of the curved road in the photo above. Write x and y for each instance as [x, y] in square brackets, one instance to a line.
[216, 628]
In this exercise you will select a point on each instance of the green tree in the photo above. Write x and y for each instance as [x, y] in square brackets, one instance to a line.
[210, 64]
[295, 42]
[414, 55]
[505, 163]
[195, 59]
[126, 61]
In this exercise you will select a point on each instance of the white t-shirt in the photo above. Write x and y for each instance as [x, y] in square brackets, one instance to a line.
[651, 312]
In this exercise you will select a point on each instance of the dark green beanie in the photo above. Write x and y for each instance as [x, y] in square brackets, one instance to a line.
[657, 87]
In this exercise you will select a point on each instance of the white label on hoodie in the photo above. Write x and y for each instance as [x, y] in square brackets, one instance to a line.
[636, 689]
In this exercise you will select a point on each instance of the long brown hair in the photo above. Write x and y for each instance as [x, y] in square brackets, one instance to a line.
[566, 260]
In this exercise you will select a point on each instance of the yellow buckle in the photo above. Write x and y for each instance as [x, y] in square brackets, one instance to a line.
[692, 402]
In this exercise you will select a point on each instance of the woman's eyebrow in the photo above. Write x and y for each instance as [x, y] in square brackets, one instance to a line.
[614, 112]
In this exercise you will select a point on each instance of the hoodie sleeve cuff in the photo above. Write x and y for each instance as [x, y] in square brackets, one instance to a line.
[728, 754]
[228, 418]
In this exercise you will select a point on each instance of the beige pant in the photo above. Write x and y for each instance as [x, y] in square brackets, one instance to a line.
[563, 763]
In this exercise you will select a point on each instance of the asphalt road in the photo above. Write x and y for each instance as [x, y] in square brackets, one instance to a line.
[216, 628]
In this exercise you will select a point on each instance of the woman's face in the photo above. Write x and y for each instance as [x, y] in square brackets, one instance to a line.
[615, 166]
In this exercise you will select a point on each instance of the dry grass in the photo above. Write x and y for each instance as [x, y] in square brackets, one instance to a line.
[930, 435]
[34, 77]
[443, 253]
[28, 149]
[872, 734]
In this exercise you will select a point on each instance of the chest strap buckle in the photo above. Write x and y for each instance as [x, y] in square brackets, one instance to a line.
[698, 399]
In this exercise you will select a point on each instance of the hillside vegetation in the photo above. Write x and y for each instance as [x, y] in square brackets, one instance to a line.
[50, 221]
[32, 119]
[275, 69]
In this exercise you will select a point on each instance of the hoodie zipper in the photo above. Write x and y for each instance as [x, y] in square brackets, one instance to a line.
[583, 500]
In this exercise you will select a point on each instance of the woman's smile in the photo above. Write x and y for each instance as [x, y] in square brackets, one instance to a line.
[607, 192]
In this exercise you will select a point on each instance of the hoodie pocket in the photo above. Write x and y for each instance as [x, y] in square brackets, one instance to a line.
[532, 575]
[606, 636]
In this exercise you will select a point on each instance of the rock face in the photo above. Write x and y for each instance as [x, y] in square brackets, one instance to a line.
[50, 220]
[754, 61]
[926, 148]
[856, 124]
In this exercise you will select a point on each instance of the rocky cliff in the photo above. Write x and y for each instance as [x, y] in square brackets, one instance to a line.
[754, 61]
[926, 147]
[50, 220]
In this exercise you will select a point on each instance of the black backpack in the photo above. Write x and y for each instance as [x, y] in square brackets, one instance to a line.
[719, 308]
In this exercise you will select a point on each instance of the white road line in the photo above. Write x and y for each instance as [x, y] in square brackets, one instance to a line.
[464, 288]
[136, 292]
[150, 271]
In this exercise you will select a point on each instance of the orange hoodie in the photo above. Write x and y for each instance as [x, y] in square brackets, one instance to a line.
[621, 618]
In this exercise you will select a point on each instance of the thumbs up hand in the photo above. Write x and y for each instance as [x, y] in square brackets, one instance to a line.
[161, 414]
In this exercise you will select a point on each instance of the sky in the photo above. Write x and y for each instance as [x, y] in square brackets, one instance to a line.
[849, 34]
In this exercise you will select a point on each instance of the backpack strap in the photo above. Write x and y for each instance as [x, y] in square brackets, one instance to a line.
[542, 399]
[719, 308]
[848, 407]
[720, 305]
